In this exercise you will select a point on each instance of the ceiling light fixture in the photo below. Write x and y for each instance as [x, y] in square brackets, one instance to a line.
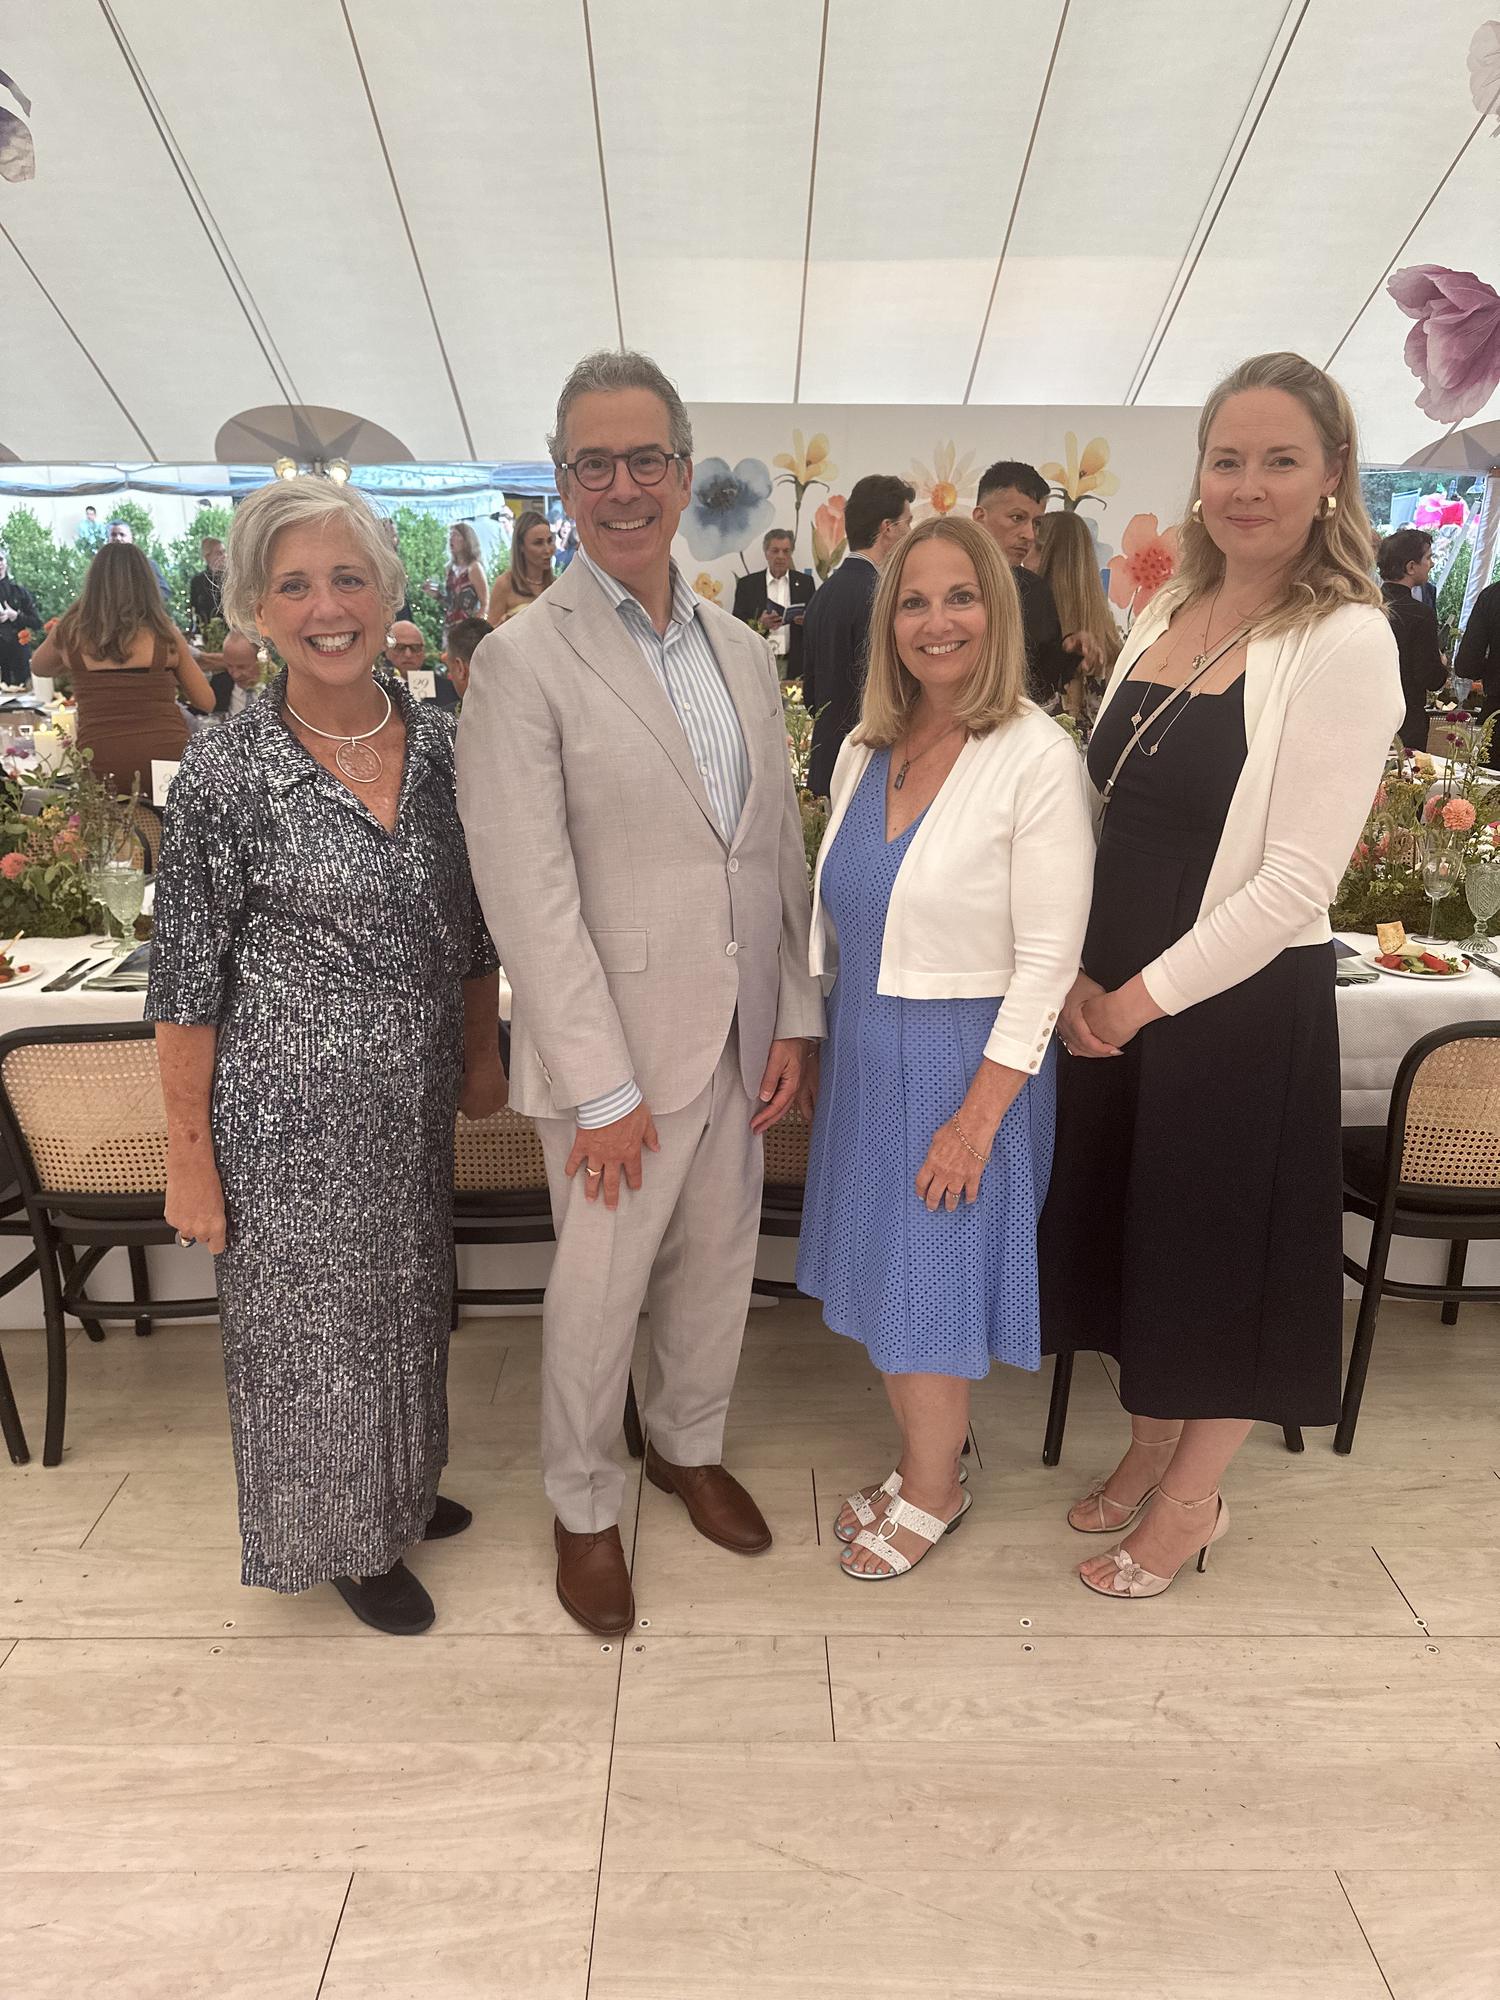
[339, 470]
[285, 468]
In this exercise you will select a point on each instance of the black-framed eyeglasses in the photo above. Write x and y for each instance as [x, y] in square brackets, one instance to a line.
[594, 470]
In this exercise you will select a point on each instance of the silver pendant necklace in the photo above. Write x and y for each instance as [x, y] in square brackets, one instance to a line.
[900, 778]
[356, 757]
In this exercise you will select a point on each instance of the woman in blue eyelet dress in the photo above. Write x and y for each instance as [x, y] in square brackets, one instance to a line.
[954, 881]
[928, 1294]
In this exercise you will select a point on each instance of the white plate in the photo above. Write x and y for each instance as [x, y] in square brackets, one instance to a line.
[25, 978]
[1461, 971]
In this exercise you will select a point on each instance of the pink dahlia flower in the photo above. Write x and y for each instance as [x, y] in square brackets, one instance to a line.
[1459, 815]
[1454, 348]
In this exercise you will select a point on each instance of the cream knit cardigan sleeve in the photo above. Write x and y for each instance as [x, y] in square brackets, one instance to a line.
[1321, 708]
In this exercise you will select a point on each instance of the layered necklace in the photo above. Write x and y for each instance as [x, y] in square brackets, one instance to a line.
[358, 759]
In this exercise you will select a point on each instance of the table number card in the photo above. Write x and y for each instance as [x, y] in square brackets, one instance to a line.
[162, 774]
[421, 683]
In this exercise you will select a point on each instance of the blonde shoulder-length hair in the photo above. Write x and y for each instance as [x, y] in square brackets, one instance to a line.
[1333, 568]
[996, 688]
[297, 503]
[1067, 558]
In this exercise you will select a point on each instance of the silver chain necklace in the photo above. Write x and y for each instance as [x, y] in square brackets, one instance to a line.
[360, 763]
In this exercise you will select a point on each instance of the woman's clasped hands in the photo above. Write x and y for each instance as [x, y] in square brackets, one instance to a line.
[1095, 1022]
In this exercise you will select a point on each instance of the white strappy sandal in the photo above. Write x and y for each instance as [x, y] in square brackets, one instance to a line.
[900, 1514]
[864, 1513]
[1129, 1516]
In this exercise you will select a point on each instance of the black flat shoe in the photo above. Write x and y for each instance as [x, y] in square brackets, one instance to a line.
[394, 1603]
[448, 1518]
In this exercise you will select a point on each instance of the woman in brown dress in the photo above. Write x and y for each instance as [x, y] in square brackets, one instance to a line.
[130, 667]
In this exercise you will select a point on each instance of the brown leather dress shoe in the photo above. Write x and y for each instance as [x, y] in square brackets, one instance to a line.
[718, 1506]
[593, 1584]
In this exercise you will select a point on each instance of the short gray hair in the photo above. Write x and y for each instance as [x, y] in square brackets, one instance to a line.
[609, 370]
[294, 503]
[776, 535]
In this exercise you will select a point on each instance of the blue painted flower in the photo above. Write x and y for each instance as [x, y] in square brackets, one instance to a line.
[728, 510]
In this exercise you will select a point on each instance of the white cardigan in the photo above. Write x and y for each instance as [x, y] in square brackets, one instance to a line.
[992, 895]
[1321, 706]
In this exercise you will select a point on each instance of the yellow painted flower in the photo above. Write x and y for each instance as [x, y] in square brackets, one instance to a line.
[807, 462]
[1082, 475]
[950, 480]
[708, 586]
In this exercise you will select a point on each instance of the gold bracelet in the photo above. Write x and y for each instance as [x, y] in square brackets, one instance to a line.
[983, 1158]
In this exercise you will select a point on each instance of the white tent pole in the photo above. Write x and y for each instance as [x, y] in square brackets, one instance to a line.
[1486, 535]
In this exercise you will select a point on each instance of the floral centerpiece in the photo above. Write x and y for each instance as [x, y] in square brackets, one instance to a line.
[1383, 882]
[799, 735]
[47, 858]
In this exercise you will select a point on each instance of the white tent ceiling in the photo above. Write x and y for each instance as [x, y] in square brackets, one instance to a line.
[421, 212]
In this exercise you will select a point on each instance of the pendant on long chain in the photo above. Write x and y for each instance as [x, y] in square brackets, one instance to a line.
[358, 762]
[900, 778]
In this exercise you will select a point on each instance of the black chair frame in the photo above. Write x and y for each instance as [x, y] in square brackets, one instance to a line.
[1057, 1412]
[64, 1224]
[13, 1222]
[1458, 1216]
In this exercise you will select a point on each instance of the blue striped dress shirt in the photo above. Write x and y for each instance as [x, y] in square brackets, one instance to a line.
[683, 662]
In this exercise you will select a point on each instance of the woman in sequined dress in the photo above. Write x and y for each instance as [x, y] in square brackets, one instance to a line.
[325, 996]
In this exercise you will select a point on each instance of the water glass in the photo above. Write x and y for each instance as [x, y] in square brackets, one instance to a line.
[119, 888]
[1482, 892]
[1441, 855]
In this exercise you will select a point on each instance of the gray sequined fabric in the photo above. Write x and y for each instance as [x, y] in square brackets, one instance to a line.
[329, 954]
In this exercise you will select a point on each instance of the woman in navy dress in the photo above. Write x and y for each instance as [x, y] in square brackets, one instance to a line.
[953, 883]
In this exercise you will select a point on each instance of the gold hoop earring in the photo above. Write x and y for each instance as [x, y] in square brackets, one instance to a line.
[1196, 510]
[1327, 507]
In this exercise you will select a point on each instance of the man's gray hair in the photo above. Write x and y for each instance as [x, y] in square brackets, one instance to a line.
[776, 535]
[609, 370]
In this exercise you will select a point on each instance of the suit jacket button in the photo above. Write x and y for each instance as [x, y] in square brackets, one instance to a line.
[730, 950]
[734, 868]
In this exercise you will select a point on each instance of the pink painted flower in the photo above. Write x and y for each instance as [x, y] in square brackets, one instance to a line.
[1148, 556]
[12, 866]
[1459, 815]
[828, 534]
[1454, 348]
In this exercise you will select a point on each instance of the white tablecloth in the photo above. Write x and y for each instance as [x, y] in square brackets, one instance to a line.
[1379, 1023]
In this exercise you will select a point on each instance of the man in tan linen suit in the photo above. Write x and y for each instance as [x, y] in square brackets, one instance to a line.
[635, 839]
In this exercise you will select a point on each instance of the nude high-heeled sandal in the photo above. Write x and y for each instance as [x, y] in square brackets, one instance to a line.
[1129, 1516]
[1130, 1580]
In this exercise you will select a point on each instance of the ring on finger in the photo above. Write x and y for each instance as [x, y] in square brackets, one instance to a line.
[593, 1172]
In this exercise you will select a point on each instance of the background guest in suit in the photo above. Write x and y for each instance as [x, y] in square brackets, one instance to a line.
[1012, 499]
[406, 651]
[206, 591]
[463, 640]
[234, 683]
[836, 629]
[18, 614]
[627, 801]
[1405, 563]
[777, 588]
[1479, 649]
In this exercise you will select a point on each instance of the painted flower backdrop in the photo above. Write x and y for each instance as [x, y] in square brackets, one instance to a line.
[1484, 71]
[1454, 348]
[1082, 478]
[939, 491]
[729, 509]
[803, 466]
[829, 541]
[1148, 556]
[708, 586]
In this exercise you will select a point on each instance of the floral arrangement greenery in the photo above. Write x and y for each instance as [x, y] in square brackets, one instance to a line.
[1383, 882]
[799, 734]
[46, 858]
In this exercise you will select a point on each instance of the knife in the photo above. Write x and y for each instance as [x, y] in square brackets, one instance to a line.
[63, 978]
[73, 975]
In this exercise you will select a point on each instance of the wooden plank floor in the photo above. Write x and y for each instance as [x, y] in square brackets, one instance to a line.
[1280, 1780]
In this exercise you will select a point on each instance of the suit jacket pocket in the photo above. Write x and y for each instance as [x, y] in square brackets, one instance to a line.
[621, 951]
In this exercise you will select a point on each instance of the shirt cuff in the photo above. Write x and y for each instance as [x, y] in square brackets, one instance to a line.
[605, 1110]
